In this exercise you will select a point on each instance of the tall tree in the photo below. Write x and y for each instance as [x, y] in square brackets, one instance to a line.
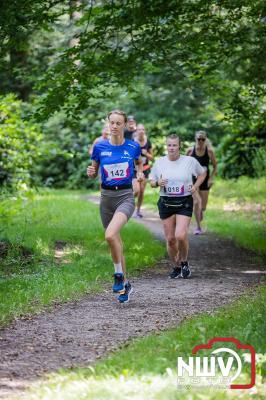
[196, 39]
[19, 22]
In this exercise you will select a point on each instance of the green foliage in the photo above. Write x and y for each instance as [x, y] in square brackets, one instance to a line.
[188, 40]
[165, 106]
[21, 61]
[65, 156]
[237, 152]
[259, 162]
[19, 144]
[178, 66]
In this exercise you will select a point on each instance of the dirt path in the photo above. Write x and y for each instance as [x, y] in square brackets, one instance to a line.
[78, 333]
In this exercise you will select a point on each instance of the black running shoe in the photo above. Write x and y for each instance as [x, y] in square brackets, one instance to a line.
[176, 273]
[185, 271]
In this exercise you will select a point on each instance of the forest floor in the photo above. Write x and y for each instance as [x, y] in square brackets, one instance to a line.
[80, 332]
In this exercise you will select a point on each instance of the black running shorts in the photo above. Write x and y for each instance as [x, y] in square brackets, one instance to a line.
[169, 206]
[204, 185]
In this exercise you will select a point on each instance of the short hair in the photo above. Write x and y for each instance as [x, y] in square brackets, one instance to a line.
[174, 136]
[119, 112]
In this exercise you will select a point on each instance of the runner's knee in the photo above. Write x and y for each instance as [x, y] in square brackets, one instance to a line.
[181, 236]
[197, 202]
[171, 241]
[110, 237]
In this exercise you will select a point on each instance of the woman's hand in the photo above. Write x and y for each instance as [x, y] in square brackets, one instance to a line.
[162, 182]
[91, 171]
[193, 189]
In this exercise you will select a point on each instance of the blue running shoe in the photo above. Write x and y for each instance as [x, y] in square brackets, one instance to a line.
[118, 286]
[124, 297]
[185, 270]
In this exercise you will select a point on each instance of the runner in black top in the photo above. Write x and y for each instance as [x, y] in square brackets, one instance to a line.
[204, 162]
[130, 130]
[203, 152]
[146, 156]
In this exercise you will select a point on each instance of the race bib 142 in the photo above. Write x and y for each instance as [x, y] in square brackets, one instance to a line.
[116, 171]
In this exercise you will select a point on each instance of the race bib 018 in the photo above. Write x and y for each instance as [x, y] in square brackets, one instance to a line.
[174, 188]
[116, 171]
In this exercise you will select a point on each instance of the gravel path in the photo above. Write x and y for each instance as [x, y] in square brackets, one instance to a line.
[78, 333]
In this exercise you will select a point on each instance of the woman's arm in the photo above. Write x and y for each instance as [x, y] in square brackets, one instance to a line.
[213, 162]
[139, 169]
[214, 167]
[189, 151]
[198, 182]
[92, 170]
[147, 153]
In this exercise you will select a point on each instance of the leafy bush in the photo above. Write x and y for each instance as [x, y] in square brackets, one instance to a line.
[259, 162]
[65, 155]
[19, 144]
[236, 154]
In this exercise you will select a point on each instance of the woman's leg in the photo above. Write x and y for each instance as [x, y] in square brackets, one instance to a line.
[204, 195]
[136, 187]
[197, 209]
[169, 226]
[112, 236]
[141, 194]
[181, 235]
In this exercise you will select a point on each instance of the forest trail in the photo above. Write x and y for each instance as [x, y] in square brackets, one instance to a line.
[80, 332]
